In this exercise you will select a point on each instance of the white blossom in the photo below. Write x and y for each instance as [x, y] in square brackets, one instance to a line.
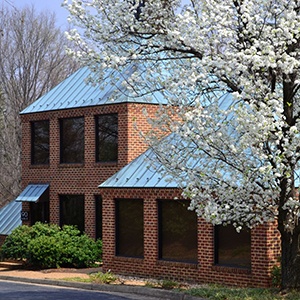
[232, 70]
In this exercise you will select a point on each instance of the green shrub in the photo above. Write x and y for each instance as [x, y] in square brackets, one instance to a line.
[44, 252]
[276, 276]
[15, 245]
[49, 246]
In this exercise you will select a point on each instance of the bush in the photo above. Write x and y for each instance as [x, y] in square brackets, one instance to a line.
[15, 245]
[49, 246]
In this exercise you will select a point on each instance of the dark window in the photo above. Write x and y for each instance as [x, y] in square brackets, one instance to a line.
[98, 206]
[72, 140]
[39, 211]
[232, 248]
[40, 142]
[129, 227]
[107, 138]
[177, 231]
[72, 211]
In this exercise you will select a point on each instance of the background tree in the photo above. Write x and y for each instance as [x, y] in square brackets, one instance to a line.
[32, 61]
[232, 69]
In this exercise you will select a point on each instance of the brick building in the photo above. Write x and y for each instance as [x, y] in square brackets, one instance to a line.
[83, 163]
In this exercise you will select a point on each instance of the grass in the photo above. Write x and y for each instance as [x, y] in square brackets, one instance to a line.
[209, 292]
[101, 278]
[216, 292]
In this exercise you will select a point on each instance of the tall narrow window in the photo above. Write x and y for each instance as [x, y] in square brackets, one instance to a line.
[40, 142]
[177, 231]
[107, 138]
[39, 211]
[72, 211]
[232, 248]
[98, 209]
[72, 140]
[129, 227]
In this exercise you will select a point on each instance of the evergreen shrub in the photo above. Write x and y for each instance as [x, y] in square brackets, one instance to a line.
[49, 246]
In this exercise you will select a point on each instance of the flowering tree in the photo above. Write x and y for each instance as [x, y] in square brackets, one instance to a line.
[231, 68]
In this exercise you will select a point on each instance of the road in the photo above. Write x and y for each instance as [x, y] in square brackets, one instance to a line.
[20, 291]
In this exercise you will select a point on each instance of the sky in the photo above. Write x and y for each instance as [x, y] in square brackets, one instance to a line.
[44, 5]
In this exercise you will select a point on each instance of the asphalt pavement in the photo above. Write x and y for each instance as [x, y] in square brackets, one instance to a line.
[10, 290]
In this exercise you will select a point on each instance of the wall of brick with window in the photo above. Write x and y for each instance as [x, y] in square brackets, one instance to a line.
[264, 247]
[82, 178]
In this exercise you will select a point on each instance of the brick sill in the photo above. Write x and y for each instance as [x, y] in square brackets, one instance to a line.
[106, 164]
[177, 264]
[227, 269]
[71, 165]
[129, 259]
[39, 166]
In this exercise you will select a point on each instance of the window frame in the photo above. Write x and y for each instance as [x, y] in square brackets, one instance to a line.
[98, 217]
[97, 140]
[62, 155]
[43, 207]
[217, 248]
[63, 197]
[118, 252]
[33, 150]
[161, 256]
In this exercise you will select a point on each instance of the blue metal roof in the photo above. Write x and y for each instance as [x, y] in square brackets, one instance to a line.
[140, 173]
[32, 193]
[75, 92]
[10, 217]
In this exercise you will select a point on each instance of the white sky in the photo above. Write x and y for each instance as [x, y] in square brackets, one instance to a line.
[44, 5]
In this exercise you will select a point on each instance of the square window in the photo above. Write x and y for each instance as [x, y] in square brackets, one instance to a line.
[72, 211]
[107, 138]
[232, 248]
[72, 140]
[177, 231]
[130, 227]
[40, 142]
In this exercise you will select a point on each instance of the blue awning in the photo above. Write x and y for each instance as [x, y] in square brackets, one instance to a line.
[32, 193]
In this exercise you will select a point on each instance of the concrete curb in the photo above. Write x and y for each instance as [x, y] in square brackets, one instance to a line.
[126, 289]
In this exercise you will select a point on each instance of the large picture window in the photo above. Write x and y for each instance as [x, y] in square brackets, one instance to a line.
[72, 211]
[129, 227]
[107, 138]
[72, 140]
[40, 142]
[177, 231]
[232, 248]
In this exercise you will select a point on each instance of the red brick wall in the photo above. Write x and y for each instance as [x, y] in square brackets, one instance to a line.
[264, 248]
[83, 178]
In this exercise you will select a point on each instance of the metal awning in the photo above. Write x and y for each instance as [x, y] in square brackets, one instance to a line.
[32, 193]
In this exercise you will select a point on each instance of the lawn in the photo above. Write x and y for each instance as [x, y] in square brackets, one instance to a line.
[216, 292]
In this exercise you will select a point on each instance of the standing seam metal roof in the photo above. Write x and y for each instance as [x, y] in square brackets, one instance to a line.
[75, 92]
[32, 192]
[10, 217]
[140, 174]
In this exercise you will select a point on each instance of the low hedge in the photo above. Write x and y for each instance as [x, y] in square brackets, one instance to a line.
[49, 246]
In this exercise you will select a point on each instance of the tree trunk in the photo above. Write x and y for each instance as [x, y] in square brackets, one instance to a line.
[290, 240]
[290, 260]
